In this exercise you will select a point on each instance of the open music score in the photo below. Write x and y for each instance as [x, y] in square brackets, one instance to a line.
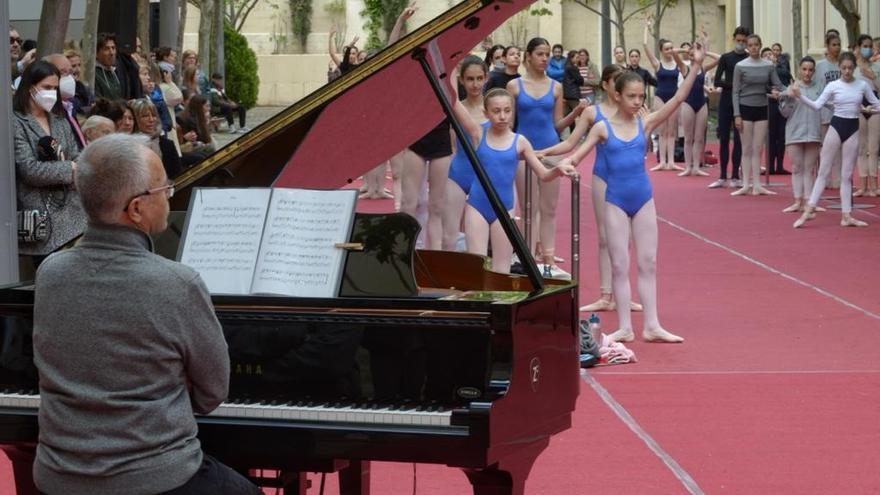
[268, 240]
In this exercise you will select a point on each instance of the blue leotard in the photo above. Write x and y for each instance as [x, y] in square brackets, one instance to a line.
[500, 166]
[628, 184]
[697, 97]
[600, 168]
[460, 170]
[534, 117]
[667, 83]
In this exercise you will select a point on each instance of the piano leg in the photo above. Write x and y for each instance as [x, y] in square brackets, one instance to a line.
[355, 479]
[508, 476]
[22, 458]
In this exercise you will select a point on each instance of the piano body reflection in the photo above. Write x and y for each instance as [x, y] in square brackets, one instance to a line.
[425, 356]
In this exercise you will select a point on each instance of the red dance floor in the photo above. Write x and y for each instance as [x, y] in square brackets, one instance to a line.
[776, 388]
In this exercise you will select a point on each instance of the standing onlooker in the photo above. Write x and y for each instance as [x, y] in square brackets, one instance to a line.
[116, 74]
[775, 120]
[635, 65]
[499, 79]
[590, 74]
[67, 90]
[724, 80]
[556, 66]
[18, 62]
[495, 58]
[572, 80]
[45, 150]
[166, 58]
[869, 122]
[191, 59]
[620, 55]
[83, 97]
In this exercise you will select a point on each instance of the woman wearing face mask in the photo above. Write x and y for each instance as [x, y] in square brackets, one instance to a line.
[44, 174]
[869, 121]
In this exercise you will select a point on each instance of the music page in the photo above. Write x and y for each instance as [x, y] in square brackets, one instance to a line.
[299, 256]
[223, 231]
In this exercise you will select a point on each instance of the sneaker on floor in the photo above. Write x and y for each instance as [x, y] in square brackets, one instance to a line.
[243, 130]
[718, 183]
[588, 343]
[553, 271]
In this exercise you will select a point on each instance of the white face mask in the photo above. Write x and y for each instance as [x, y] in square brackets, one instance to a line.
[67, 85]
[46, 98]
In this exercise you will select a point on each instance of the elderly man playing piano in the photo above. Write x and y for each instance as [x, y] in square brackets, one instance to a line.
[127, 345]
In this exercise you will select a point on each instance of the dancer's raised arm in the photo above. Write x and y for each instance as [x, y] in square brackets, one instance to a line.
[656, 118]
[649, 21]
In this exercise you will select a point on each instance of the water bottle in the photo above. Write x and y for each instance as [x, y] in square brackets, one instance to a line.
[596, 332]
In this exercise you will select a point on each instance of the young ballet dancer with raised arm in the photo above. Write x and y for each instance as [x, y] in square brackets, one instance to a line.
[499, 150]
[629, 200]
[803, 134]
[847, 95]
[593, 114]
[666, 70]
[694, 114]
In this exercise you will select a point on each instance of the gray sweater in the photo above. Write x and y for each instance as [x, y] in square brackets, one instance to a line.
[127, 347]
[803, 125]
[751, 83]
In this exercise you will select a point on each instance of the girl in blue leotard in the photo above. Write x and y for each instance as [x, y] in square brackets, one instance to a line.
[499, 150]
[695, 112]
[666, 70]
[592, 115]
[540, 107]
[629, 202]
[472, 73]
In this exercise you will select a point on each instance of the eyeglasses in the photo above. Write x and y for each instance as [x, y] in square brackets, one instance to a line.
[168, 188]
[13, 41]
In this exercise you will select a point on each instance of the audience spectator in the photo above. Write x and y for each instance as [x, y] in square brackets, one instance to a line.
[18, 61]
[97, 126]
[495, 58]
[45, 150]
[116, 73]
[83, 97]
[191, 59]
[146, 119]
[571, 84]
[166, 58]
[590, 74]
[67, 89]
[189, 79]
[125, 123]
[499, 79]
[152, 91]
[193, 130]
[635, 60]
[556, 64]
[222, 105]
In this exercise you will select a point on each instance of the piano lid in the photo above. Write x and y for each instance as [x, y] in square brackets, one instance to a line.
[361, 119]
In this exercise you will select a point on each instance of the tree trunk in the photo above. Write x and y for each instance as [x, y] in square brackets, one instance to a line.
[217, 64]
[90, 32]
[181, 29]
[849, 11]
[53, 27]
[618, 6]
[797, 48]
[169, 17]
[206, 27]
[693, 21]
[143, 26]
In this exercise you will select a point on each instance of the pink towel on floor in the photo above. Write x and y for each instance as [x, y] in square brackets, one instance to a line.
[612, 352]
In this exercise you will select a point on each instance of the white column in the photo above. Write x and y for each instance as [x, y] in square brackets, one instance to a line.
[354, 22]
[9, 232]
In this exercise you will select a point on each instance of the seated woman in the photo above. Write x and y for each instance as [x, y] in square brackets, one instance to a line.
[193, 131]
[147, 122]
[96, 127]
[45, 150]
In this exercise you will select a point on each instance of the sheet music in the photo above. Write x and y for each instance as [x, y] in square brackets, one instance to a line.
[223, 234]
[298, 256]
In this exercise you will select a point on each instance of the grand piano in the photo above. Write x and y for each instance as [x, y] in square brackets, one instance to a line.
[425, 356]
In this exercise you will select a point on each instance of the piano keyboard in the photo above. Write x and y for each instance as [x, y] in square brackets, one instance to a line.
[340, 413]
[365, 413]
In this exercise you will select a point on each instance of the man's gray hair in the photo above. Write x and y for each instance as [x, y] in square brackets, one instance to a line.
[111, 171]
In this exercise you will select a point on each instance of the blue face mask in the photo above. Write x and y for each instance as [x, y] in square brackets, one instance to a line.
[866, 52]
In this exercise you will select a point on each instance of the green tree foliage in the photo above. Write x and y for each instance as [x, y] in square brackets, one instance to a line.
[242, 81]
[379, 18]
[301, 20]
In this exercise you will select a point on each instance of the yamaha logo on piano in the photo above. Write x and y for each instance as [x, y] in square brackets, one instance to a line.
[535, 372]
[247, 369]
[469, 392]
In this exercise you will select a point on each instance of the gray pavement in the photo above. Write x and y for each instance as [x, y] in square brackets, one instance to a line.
[255, 117]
